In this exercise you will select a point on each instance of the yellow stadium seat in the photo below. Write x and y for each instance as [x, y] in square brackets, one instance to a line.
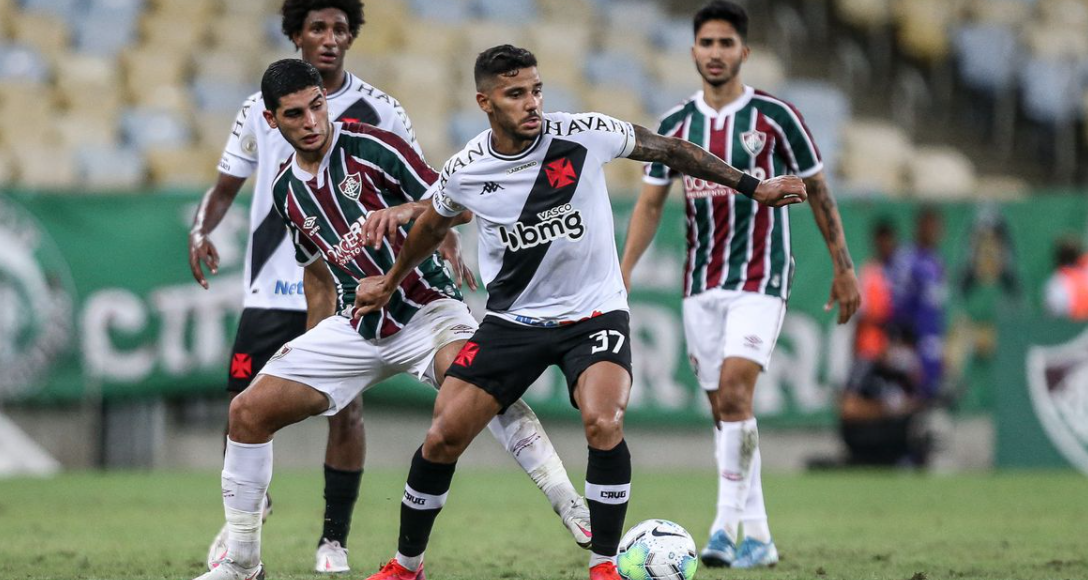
[145, 69]
[566, 11]
[90, 100]
[382, 34]
[624, 178]
[941, 174]
[1001, 188]
[568, 40]
[212, 131]
[1056, 40]
[46, 32]
[187, 9]
[1011, 12]
[46, 167]
[225, 34]
[616, 103]
[79, 129]
[84, 70]
[1064, 12]
[482, 35]
[186, 167]
[764, 70]
[164, 96]
[7, 169]
[177, 32]
[865, 14]
[874, 156]
[438, 40]
[224, 65]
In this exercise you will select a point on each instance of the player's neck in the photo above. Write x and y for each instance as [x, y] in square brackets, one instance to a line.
[721, 95]
[310, 161]
[506, 144]
[334, 80]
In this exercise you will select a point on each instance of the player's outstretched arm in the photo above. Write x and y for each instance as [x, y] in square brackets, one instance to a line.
[209, 213]
[320, 293]
[644, 222]
[692, 160]
[374, 291]
[844, 285]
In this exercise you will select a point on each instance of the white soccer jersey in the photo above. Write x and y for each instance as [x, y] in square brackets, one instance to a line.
[272, 278]
[547, 241]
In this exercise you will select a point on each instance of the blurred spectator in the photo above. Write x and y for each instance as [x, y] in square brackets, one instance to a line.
[1066, 293]
[881, 405]
[871, 338]
[920, 295]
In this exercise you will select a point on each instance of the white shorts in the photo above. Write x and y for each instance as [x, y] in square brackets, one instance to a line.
[336, 360]
[719, 324]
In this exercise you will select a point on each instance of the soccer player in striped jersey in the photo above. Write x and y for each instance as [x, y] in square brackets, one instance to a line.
[347, 195]
[547, 246]
[739, 265]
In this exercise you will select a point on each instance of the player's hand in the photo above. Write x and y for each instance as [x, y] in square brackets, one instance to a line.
[383, 223]
[780, 191]
[450, 250]
[202, 250]
[844, 292]
[372, 294]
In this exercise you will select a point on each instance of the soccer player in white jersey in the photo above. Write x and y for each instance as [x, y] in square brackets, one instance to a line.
[535, 183]
[347, 196]
[274, 302]
[739, 266]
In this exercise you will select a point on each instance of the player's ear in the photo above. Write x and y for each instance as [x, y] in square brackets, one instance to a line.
[744, 52]
[296, 39]
[484, 103]
[270, 118]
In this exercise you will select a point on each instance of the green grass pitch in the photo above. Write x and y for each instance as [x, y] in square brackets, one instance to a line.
[497, 526]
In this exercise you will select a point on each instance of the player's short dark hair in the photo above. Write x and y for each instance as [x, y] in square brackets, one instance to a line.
[287, 76]
[499, 60]
[1067, 251]
[294, 14]
[884, 227]
[730, 12]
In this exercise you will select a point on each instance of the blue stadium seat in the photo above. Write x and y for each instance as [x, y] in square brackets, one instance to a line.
[449, 11]
[146, 128]
[661, 97]
[673, 34]
[1050, 90]
[100, 34]
[826, 110]
[122, 12]
[66, 9]
[105, 167]
[557, 98]
[21, 62]
[616, 69]
[511, 11]
[216, 96]
[466, 124]
[988, 56]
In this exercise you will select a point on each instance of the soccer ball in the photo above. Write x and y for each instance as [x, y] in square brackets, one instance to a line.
[657, 550]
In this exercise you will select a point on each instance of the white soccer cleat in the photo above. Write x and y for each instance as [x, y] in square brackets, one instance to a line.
[226, 569]
[218, 549]
[575, 516]
[331, 557]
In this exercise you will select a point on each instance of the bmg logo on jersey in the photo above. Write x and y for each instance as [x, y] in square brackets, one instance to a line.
[562, 221]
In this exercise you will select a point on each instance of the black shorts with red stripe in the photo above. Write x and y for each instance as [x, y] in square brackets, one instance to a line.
[504, 358]
[261, 332]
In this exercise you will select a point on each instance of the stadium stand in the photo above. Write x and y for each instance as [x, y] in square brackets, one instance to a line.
[159, 81]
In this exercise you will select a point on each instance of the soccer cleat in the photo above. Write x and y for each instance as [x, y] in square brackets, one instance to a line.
[753, 553]
[719, 551]
[576, 517]
[218, 549]
[226, 569]
[604, 571]
[394, 571]
[331, 557]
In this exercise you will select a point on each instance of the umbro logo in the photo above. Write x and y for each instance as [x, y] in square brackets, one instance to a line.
[752, 341]
[310, 225]
[491, 187]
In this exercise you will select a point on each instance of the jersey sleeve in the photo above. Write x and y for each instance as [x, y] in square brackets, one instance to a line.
[401, 126]
[239, 157]
[608, 137]
[403, 168]
[305, 250]
[445, 195]
[804, 157]
[658, 173]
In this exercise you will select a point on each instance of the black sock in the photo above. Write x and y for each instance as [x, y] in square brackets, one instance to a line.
[341, 491]
[608, 487]
[424, 496]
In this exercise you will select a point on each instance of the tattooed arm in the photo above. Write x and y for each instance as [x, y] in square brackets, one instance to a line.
[692, 160]
[844, 285]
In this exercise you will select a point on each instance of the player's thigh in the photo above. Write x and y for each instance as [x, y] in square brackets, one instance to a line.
[273, 402]
[596, 360]
[261, 332]
[704, 334]
[461, 411]
[333, 359]
[503, 359]
[752, 327]
[431, 341]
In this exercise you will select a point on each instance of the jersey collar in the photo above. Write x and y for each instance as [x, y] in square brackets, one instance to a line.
[521, 155]
[304, 175]
[730, 108]
[349, 80]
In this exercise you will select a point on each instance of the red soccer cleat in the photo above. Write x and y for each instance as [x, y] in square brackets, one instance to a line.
[604, 571]
[394, 571]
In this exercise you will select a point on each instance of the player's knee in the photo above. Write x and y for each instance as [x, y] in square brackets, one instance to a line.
[603, 430]
[246, 418]
[443, 445]
[349, 420]
[734, 396]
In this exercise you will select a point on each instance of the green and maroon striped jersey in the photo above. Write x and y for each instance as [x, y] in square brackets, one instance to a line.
[366, 169]
[733, 242]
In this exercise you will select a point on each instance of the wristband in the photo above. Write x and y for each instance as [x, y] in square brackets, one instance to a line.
[747, 185]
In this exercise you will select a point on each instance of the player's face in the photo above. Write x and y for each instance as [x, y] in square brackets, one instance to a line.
[324, 39]
[718, 52]
[515, 104]
[303, 119]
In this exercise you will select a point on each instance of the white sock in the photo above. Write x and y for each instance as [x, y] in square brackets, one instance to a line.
[247, 471]
[735, 445]
[754, 517]
[519, 432]
[412, 563]
[595, 558]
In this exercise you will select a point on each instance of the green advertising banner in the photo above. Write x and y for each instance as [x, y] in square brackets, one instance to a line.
[96, 300]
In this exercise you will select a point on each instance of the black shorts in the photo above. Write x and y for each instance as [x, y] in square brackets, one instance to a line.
[261, 332]
[504, 358]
